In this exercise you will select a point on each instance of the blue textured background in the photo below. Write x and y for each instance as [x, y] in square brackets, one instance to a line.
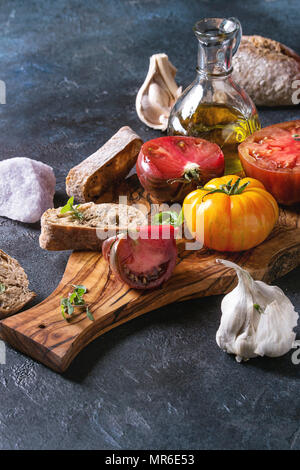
[72, 70]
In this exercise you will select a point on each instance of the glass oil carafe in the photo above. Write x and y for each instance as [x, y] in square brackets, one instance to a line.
[214, 107]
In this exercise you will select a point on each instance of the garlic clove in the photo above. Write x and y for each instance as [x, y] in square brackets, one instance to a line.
[237, 313]
[158, 93]
[274, 335]
[257, 319]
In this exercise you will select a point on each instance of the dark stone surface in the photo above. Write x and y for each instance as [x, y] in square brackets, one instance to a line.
[72, 70]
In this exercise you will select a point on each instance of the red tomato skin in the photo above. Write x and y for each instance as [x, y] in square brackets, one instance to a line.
[159, 174]
[282, 183]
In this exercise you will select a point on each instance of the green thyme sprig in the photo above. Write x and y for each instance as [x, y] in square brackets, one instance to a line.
[69, 207]
[75, 299]
[2, 288]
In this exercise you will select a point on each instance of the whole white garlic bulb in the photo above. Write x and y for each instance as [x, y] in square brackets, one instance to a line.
[257, 319]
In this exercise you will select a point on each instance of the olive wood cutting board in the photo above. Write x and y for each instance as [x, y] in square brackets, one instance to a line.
[43, 334]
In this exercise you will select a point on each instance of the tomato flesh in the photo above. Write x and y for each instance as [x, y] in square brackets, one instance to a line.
[279, 149]
[144, 261]
[170, 167]
[272, 155]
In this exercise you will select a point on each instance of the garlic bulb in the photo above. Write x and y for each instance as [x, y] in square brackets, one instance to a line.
[158, 93]
[257, 319]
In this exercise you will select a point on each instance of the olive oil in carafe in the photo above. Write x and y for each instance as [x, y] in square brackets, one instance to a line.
[214, 107]
[219, 123]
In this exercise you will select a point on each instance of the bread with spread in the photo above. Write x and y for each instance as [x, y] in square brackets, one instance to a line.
[95, 223]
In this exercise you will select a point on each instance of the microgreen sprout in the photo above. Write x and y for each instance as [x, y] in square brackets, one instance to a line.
[75, 299]
[69, 207]
[168, 218]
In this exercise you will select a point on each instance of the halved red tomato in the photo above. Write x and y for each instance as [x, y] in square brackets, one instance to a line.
[143, 259]
[272, 155]
[171, 167]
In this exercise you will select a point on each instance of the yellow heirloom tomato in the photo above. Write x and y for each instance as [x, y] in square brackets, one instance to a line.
[230, 213]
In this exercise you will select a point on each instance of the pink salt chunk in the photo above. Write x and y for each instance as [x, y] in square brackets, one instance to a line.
[27, 189]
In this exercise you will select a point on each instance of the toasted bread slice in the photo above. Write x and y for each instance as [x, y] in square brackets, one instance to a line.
[104, 168]
[14, 291]
[99, 221]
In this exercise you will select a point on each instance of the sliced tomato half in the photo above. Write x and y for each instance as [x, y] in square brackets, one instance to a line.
[171, 167]
[143, 259]
[272, 155]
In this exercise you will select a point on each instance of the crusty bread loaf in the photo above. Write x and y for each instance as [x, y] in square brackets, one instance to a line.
[14, 291]
[66, 232]
[267, 69]
[110, 164]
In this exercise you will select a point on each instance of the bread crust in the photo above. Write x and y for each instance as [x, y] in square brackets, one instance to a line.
[266, 69]
[16, 294]
[58, 234]
[59, 237]
[108, 165]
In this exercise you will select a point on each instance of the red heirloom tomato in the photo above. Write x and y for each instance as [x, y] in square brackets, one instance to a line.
[272, 155]
[143, 259]
[171, 167]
